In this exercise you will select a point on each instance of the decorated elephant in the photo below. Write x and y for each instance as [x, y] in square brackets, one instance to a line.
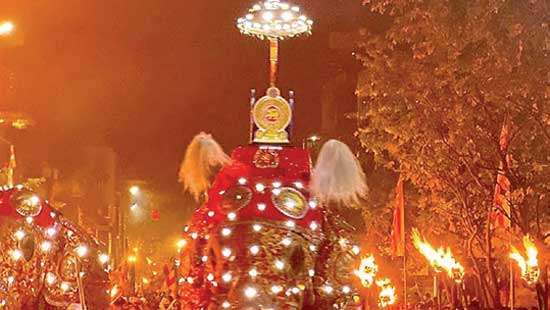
[46, 261]
[265, 236]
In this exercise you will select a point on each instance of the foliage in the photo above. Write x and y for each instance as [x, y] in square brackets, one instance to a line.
[438, 86]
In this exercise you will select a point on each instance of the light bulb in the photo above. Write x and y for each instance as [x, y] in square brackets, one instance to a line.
[227, 277]
[261, 206]
[276, 289]
[260, 187]
[257, 227]
[242, 181]
[50, 278]
[267, 16]
[19, 235]
[226, 252]
[65, 286]
[286, 241]
[279, 264]
[103, 258]
[226, 232]
[313, 226]
[250, 292]
[254, 249]
[16, 255]
[328, 289]
[253, 272]
[81, 250]
[231, 216]
[287, 16]
[51, 232]
[45, 246]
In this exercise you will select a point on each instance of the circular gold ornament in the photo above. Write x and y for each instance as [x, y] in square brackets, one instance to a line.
[68, 269]
[27, 246]
[26, 203]
[290, 202]
[236, 198]
[272, 115]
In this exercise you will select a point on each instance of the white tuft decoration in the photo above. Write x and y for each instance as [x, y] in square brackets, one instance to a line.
[202, 156]
[338, 176]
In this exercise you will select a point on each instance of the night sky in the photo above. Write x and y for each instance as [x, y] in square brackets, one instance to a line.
[144, 76]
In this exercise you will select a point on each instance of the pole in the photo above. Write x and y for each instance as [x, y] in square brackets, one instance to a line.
[435, 286]
[404, 279]
[439, 301]
[81, 294]
[273, 61]
[512, 284]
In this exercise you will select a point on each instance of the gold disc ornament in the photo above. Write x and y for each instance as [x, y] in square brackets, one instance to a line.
[272, 115]
[26, 203]
[290, 202]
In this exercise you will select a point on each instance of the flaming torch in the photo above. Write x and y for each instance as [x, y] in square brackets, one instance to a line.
[387, 296]
[367, 271]
[439, 259]
[528, 266]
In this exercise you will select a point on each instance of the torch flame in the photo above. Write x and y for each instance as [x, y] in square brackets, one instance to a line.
[439, 259]
[529, 267]
[387, 296]
[114, 291]
[367, 271]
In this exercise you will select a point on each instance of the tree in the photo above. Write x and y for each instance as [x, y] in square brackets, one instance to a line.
[440, 84]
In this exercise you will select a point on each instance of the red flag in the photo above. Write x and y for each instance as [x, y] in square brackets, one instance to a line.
[501, 217]
[398, 226]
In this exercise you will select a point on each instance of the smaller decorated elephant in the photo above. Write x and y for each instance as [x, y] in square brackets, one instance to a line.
[46, 261]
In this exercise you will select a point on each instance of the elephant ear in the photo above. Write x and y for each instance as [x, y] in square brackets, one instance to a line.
[202, 158]
[338, 176]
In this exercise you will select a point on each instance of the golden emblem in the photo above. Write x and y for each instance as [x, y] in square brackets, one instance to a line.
[290, 202]
[272, 116]
[26, 203]
[266, 158]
